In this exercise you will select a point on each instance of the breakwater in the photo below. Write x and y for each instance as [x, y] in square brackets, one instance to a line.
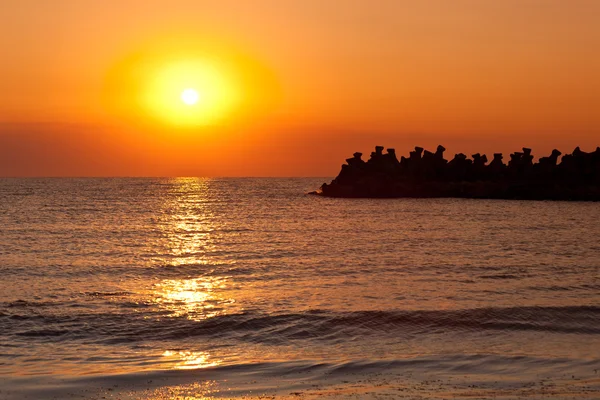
[428, 174]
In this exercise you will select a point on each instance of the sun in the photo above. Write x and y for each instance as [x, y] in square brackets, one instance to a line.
[190, 92]
[190, 96]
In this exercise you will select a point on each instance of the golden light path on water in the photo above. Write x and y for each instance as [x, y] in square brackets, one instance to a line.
[190, 359]
[192, 298]
[188, 229]
[189, 222]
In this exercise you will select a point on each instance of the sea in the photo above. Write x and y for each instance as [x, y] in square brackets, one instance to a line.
[202, 287]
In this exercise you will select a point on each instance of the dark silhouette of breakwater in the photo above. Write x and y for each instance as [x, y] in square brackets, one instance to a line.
[428, 174]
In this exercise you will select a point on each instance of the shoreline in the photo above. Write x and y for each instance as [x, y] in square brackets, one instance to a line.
[465, 377]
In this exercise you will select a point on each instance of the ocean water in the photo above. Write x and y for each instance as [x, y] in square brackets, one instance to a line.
[118, 277]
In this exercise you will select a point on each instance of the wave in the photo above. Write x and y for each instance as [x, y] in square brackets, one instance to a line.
[29, 303]
[461, 363]
[144, 324]
[107, 294]
[484, 365]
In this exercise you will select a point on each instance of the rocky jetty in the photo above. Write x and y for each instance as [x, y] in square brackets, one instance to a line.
[427, 174]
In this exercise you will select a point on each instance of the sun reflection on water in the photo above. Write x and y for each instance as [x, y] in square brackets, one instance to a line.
[189, 232]
[187, 229]
[190, 359]
[189, 222]
[193, 298]
[203, 390]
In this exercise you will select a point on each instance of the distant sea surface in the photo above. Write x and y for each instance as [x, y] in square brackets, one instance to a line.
[104, 277]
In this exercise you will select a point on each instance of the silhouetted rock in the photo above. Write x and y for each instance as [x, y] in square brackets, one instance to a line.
[527, 159]
[552, 160]
[440, 151]
[428, 174]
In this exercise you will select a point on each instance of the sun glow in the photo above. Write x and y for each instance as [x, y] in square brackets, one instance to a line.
[188, 83]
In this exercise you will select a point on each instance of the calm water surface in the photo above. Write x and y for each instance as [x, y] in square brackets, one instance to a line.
[103, 276]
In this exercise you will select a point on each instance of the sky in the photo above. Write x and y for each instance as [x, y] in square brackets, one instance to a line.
[288, 87]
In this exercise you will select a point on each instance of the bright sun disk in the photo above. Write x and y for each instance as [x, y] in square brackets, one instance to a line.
[189, 96]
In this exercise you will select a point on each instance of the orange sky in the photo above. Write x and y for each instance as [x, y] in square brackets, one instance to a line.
[303, 84]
